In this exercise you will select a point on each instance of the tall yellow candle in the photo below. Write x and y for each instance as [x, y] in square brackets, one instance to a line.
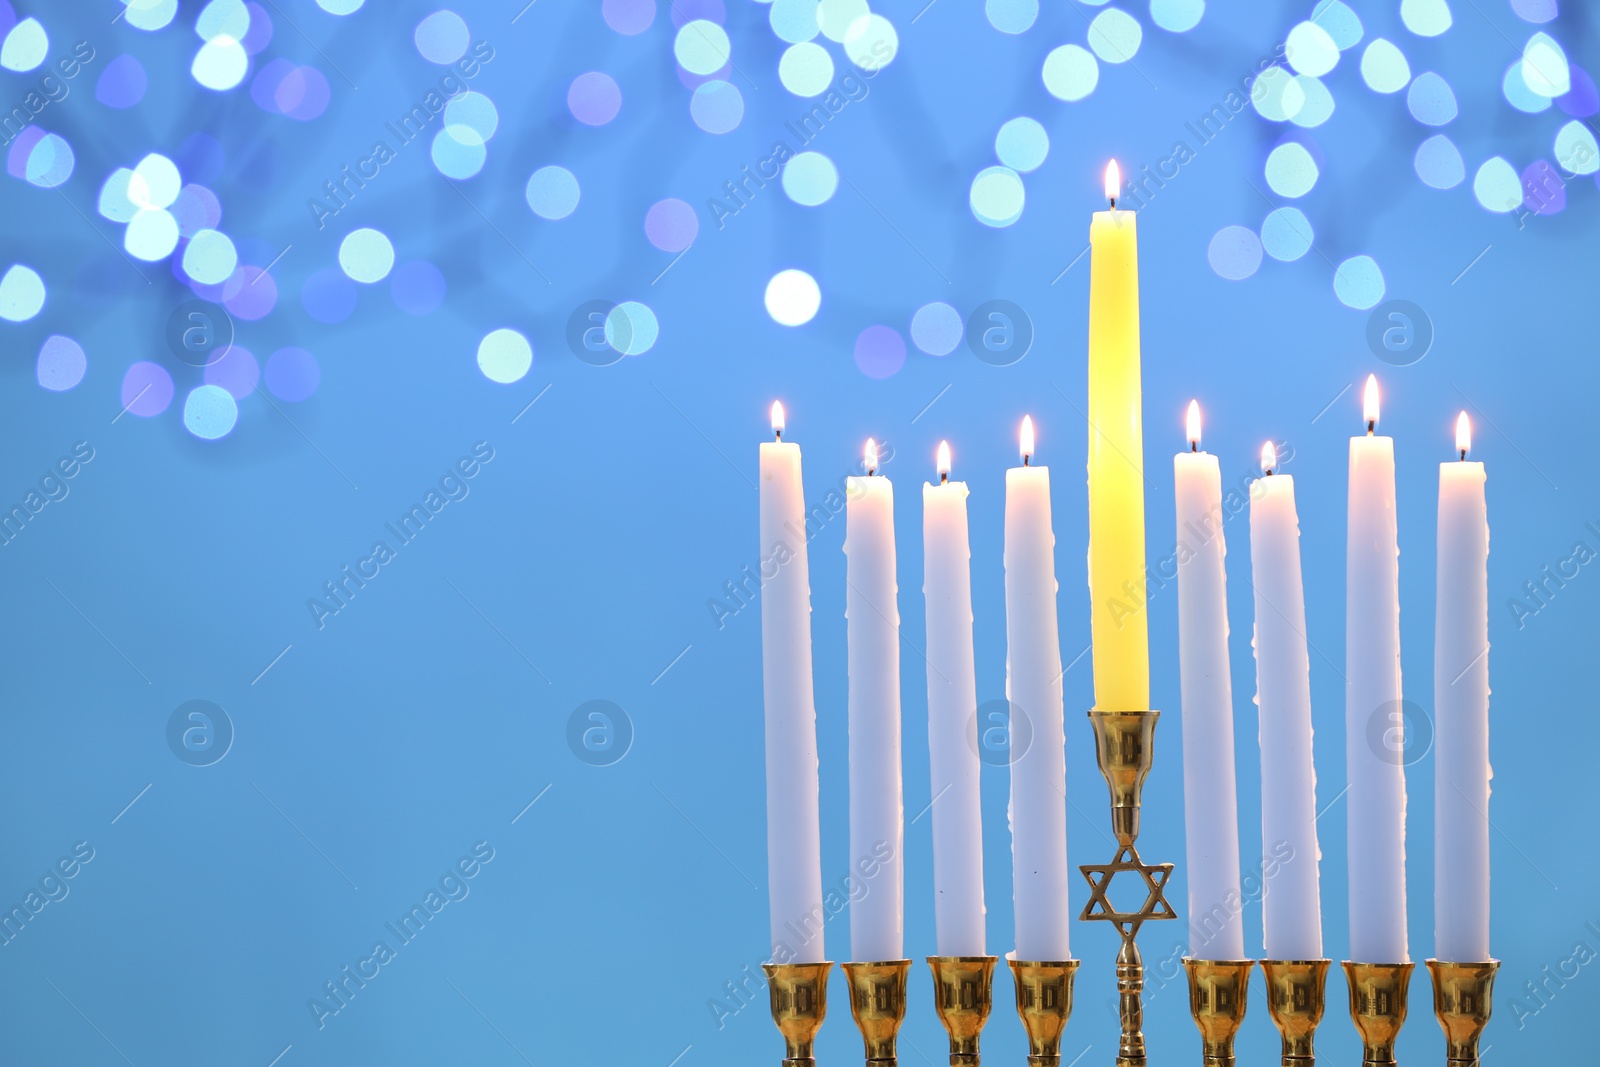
[1116, 463]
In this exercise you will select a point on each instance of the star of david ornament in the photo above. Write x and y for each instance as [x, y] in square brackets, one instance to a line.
[1155, 877]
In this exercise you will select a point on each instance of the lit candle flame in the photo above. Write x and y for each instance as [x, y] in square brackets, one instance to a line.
[1463, 435]
[777, 417]
[1113, 181]
[1194, 425]
[1369, 403]
[872, 456]
[1269, 457]
[944, 460]
[1027, 438]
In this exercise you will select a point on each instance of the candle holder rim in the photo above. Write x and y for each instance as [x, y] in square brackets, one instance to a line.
[1299, 963]
[962, 959]
[878, 963]
[1490, 962]
[1213, 959]
[1369, 963]
[1072, 963]
[1152, 712]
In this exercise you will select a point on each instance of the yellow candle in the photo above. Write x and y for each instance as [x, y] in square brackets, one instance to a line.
[1116, 463]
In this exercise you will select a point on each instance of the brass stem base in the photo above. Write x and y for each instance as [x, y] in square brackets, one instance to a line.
[799, 995]
[1296, 996]
[1463, 997]
[963, 992]
[1044, 1003]
[1130, 1003]
[1218, 990]
[1378, 1006]
[878, 1002]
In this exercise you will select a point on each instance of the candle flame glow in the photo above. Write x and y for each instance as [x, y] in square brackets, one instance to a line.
[1463, 434]
[1027, 437]
[1369, 402]
[777, 417]
[1194, 423]
[1113, 181]
[1269, 457]
[871, 455]
[944, 459]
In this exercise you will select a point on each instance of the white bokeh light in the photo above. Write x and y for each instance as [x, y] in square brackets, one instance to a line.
[21, 294]
[793, 297]
[702, 47]
[221, 64]
[1115, 35]
[1497, 186]
[871, 42]
[805, 69]
[504, 356]
[366, 255]
[1384, 67]
[1425, 18]
[25, 46]
[1071, 73]
[154, 183]
[1311, 50]
[151, 235]
[210, 257]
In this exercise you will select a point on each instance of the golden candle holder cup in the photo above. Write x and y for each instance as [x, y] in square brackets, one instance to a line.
[1378, 1006]
[1044, 1003]
[963, 993]
[1124, 743]
[1218, 991]
[1296, 996]
[1463, 997]
[878, 1003]
[799, 995]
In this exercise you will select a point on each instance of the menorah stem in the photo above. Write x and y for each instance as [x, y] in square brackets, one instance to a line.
[1130, 984]
[1125, 748]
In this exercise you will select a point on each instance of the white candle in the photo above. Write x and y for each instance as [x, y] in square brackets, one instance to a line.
[794, 854]
[1291, 909]
[1210, 805]
[877, 816]
[1374, 724]
[1461, 712]
[1033, 687]
[952, 725]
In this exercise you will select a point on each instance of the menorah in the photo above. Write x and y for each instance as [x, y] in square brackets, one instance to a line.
[1218, 989]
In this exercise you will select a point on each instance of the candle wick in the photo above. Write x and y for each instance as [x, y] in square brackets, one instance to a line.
[1194, 446]
[944, 476]
[779, 434]
[1025, 458]
[1372, 424]
[1463, 455]
[1269, 472]
[1113, 203]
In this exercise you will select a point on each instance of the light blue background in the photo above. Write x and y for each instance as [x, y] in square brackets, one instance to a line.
[427, 715]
